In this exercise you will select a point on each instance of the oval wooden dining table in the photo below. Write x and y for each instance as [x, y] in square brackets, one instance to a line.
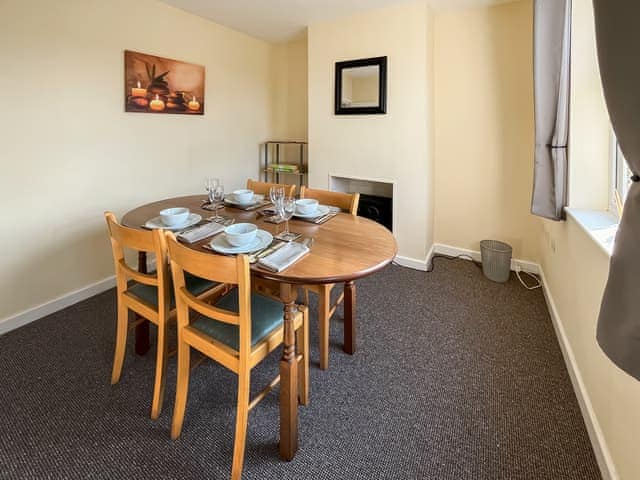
[345, 249]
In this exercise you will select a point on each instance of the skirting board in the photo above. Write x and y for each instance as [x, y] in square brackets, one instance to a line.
[414, 263]
[601, 451]
[439, 248]
[525, 265]
[18, 320]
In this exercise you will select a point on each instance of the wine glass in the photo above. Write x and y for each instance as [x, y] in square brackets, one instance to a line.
[217, 199]
[286, 209]
[276, 193]
[210, 185]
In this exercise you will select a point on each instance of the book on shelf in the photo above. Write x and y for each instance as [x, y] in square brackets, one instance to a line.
[284, 167]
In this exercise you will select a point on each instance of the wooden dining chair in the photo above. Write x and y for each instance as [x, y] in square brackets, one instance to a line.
[147, 294]
[263, 188]
[347, 202]
[238, 331]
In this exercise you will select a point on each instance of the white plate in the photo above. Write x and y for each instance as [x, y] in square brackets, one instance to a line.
[231, 198]
[219, 243]
[321, 210]
[157, 223]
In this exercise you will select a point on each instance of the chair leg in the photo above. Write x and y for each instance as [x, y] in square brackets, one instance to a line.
[182, 387]
[306, 296]
[121, 342]
[242, 418]
[161, 369]
[302, 341]
[324, 307]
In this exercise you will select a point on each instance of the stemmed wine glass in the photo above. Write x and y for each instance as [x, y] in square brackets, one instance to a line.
[217, 198]
[210, 185]
[276, 194]
[286, 208]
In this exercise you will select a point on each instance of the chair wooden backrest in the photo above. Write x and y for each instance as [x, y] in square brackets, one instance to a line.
[263, 188]
[347, 202]
[141, 241]
[216, 268]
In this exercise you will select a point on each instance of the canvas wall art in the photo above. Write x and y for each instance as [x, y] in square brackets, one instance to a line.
[162, 85]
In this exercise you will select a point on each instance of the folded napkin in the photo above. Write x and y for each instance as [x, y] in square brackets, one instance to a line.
[284, 257]
[203, 231]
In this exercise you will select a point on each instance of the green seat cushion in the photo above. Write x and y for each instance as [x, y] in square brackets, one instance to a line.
[149, 294]
[266, 315]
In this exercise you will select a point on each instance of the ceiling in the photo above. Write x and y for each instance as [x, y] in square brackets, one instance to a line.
[280, 20]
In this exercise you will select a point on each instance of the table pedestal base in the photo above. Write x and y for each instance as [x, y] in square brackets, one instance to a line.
[288, 378]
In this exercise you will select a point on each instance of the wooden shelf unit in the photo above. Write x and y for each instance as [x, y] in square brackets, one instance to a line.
[273, 150]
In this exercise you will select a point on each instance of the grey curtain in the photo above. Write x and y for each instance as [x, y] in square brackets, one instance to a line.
[618, 41]
[551, 70]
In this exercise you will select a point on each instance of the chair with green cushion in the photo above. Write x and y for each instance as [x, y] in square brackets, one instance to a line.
[238, 331]
[149, 295]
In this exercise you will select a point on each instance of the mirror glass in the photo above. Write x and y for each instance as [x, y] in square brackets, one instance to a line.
[360, 86]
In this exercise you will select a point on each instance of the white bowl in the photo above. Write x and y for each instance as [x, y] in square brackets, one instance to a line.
[240, 234]
[243, 196]
[174, 216]
[306, 206]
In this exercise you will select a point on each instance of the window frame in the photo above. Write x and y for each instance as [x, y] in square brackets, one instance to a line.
[620, 175]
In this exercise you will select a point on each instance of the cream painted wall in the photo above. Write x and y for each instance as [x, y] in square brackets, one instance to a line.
[589, 140]
[69, 151]
[394, 146]
[484, 127]
[290, 93]
[289, 119]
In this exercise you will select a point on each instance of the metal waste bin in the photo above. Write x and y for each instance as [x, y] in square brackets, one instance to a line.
[496, 260]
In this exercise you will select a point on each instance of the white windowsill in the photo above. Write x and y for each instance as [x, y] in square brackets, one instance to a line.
[600, 226]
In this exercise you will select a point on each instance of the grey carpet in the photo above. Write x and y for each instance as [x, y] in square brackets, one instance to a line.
[455, 377]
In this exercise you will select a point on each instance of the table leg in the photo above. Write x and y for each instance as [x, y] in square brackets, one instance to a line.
[142, 329]
[288, 378]
[349, 317]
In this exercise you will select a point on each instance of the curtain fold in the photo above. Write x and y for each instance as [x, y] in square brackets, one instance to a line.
[551, 70]
[618, 42]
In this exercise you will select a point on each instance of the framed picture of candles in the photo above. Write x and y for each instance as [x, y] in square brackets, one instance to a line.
[161, 85]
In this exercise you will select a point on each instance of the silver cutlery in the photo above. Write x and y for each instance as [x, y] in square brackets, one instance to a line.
[254, 257]
[324, 218]
[188, 229]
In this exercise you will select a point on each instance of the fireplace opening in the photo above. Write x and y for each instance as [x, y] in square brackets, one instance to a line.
[377, 208]
[376, 196]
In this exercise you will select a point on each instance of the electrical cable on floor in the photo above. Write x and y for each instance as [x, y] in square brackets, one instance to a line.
[532, 287]
[464, 256]
[446, 257]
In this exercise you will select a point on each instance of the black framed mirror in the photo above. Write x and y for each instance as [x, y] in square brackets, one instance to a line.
[361, 86]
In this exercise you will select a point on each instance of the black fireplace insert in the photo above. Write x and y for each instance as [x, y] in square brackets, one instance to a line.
[376, 208]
